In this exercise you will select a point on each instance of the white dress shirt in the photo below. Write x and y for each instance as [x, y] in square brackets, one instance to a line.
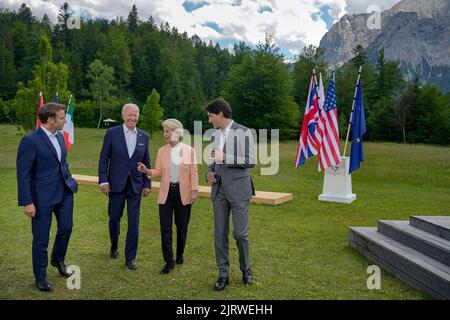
[224, 135]
[175, 163]
[130, 138]
[54, 141]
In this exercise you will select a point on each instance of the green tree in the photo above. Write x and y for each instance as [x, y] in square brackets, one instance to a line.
[360, 57]
[133, 19]
[116, 54]
[152, 113]
[310, 58]
[430, 122]
[387, 107]
[101, 84]
[49, 78]
[259, 91]
[7, 67]
[25, 15]
[401, 110]
[61, 29]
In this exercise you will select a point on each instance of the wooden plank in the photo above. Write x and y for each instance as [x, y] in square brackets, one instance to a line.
[439, 226]
[405, 263]
[261, 197]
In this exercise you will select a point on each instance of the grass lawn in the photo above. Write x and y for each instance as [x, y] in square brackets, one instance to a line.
[298, 250]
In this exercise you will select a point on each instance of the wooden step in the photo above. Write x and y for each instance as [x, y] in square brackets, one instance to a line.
[261, 197]
[422, 241]
[416, 269]
[439, 226]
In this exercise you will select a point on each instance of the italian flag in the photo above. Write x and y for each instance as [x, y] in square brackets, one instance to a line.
[41, 104]
[68, 131]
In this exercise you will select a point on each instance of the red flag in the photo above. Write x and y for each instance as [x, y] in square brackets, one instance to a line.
[41, 104]
[329, 154]
[68, 131]
[309, 143]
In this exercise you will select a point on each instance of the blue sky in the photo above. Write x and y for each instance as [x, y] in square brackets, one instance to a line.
[291, 23]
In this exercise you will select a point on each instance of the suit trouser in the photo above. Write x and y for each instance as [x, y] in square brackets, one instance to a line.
[40, 227]
[182, 213]
[239, 211]
[116, 206]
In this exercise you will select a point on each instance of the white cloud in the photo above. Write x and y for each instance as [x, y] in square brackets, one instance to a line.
[290, 22]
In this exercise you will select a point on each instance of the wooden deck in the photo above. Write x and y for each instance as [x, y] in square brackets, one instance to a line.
[261, 197]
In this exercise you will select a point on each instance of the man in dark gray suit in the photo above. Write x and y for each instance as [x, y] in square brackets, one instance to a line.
[232, 189]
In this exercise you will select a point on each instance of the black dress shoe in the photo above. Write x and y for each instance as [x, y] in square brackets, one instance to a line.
[221, 283]
[43, 285]
[131, 264]
[61, 268]
[114, 254]
[167, 268]
[180, 260]
[247, 276]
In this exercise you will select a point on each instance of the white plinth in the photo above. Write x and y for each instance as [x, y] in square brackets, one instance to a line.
[337, 184]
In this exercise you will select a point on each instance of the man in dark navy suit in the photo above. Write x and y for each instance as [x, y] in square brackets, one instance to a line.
[45, 186]
[123, 148]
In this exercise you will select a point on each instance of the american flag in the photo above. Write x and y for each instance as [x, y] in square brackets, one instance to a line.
[309, 145]
[329, 153]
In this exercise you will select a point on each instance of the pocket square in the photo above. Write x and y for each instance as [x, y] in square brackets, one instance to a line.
[141, 144]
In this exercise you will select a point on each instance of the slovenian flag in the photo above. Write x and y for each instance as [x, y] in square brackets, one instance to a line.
[68, 130]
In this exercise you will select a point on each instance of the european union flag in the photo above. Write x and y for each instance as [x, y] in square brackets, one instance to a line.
[358, 131]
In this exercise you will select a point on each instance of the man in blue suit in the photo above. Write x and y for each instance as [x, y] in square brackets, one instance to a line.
[123, 148]
[45, 186]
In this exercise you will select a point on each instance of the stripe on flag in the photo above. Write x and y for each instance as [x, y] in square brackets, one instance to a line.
[329, 153]
[68, 130]
[309, 142]
[41, 104]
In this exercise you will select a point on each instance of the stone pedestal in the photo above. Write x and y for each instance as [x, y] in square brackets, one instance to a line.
[337, 184]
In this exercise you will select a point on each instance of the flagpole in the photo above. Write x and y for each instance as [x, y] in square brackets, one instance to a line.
[353, 109]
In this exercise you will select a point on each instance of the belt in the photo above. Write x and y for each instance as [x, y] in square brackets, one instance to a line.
[174, 184]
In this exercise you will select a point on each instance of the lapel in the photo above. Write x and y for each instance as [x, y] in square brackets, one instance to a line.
[48, 143]
[230, 136]
[124, 141]
[139, 139]
[62, 145]
[167, 157]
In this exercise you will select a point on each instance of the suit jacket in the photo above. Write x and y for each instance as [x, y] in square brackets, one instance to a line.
[234, 173]
[188, 172]
[41, 177]
[115, 165]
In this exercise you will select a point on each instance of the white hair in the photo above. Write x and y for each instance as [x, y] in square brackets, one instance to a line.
[130, 105]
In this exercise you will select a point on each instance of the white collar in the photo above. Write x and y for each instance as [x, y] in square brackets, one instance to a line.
[126, 130]
[228, 127]
[48, 133]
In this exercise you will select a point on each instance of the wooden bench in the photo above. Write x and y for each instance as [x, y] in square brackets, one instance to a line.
[261, 197]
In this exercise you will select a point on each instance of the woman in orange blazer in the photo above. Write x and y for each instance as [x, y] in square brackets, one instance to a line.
[176, 165]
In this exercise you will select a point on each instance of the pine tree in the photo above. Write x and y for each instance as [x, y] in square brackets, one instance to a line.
[133, 19]
[25, 15]
[152, 113]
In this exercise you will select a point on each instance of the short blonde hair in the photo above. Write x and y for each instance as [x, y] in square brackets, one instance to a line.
[174, 125]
